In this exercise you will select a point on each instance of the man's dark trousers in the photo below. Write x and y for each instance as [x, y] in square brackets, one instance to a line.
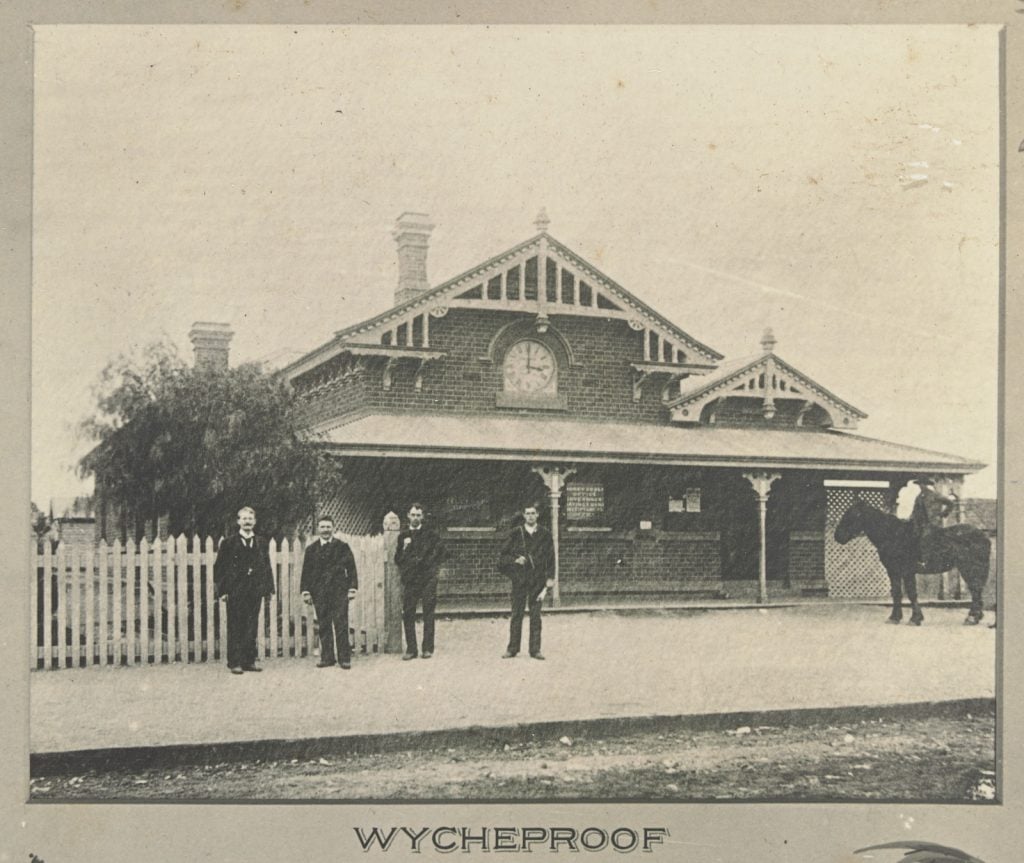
[332, 616]
[414, 591]
[243, 574]
[522, 596]
[243, 626]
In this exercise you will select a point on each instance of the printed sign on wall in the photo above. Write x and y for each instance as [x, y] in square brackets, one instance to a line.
[583, 500]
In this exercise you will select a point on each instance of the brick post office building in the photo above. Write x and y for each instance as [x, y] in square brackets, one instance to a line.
[667, 470]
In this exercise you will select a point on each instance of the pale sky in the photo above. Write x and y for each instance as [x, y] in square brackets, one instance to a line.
[839, 184]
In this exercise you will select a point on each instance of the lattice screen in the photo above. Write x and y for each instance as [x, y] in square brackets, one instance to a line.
[852, 570]
[351, 515]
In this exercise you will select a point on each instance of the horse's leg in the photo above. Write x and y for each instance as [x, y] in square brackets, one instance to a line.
[975, 585]
[910, 582]
[896, 589]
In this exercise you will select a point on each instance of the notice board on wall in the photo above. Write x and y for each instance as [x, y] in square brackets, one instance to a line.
[583, 501]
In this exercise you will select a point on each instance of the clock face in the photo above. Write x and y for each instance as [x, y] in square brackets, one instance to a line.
[529, 368]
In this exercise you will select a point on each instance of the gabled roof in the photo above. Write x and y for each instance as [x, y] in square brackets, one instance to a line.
[764, 376]
[501, 283]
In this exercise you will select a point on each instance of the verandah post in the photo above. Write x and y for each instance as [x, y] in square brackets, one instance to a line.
[554, 477]
[762, 481]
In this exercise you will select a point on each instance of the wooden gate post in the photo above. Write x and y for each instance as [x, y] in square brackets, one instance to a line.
[392, 587]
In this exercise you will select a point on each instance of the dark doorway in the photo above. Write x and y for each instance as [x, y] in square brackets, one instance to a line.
[736, 509]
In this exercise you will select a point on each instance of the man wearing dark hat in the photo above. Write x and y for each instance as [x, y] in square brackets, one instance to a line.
[329, 581]
[930, 508]
[242, 576]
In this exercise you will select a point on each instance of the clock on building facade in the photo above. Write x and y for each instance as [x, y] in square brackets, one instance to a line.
[530, 368]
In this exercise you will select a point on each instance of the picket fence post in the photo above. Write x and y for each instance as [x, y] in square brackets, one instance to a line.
[145, 564]
[129, 604]
[294, 571]
[34, 600]
[208, 601]
[117, 560]
[74, 603]
[48, 606]
[90, 607]
[158, 602]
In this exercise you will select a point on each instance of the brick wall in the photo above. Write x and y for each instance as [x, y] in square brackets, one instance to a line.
[807, 561]
[593, 565]
[598, 385]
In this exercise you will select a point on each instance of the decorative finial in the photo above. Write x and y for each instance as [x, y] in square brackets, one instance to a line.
[768, 340]
[542, 220]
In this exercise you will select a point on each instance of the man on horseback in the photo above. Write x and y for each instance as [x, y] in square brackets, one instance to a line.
[930, 508]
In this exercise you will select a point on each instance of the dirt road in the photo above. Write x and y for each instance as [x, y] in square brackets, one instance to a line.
[925, 758]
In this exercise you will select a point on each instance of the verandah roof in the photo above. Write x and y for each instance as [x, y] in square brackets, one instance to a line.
[521, 438]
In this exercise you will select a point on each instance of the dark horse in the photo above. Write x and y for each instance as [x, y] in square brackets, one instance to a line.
[959, 547]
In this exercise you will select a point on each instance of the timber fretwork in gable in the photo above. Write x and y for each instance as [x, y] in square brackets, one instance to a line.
[767, 387]
[541, 277]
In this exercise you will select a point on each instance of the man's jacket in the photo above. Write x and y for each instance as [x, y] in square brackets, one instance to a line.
[328, 568]
[241, 571]
[930, 509]
[420, 554]
[539, 551]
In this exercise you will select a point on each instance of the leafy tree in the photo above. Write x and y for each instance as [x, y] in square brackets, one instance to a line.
[197, 444]
[40, 523]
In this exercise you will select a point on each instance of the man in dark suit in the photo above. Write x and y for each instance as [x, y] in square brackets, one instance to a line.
[528, 558]
[931, 507]
[329, 581]
[419, 556]
[242, 576]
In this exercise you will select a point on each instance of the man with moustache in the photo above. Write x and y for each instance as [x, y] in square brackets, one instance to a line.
[528, 558]
[242, 576]
[328, 582]
[419, 557]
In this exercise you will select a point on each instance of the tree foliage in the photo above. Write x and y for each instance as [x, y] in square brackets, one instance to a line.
[41, 522]
[197, 444]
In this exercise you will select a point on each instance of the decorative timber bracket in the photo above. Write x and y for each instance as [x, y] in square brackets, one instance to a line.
[392, 357]
[667, 373]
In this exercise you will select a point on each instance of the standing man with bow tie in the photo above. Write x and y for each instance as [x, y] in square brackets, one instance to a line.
[419, 557]
[242, 576]
[329, 581]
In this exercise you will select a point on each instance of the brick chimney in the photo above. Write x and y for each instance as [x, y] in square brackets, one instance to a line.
[412, 234]
[210, 342]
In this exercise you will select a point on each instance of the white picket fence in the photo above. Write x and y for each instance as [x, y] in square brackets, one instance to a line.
[154, 603]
